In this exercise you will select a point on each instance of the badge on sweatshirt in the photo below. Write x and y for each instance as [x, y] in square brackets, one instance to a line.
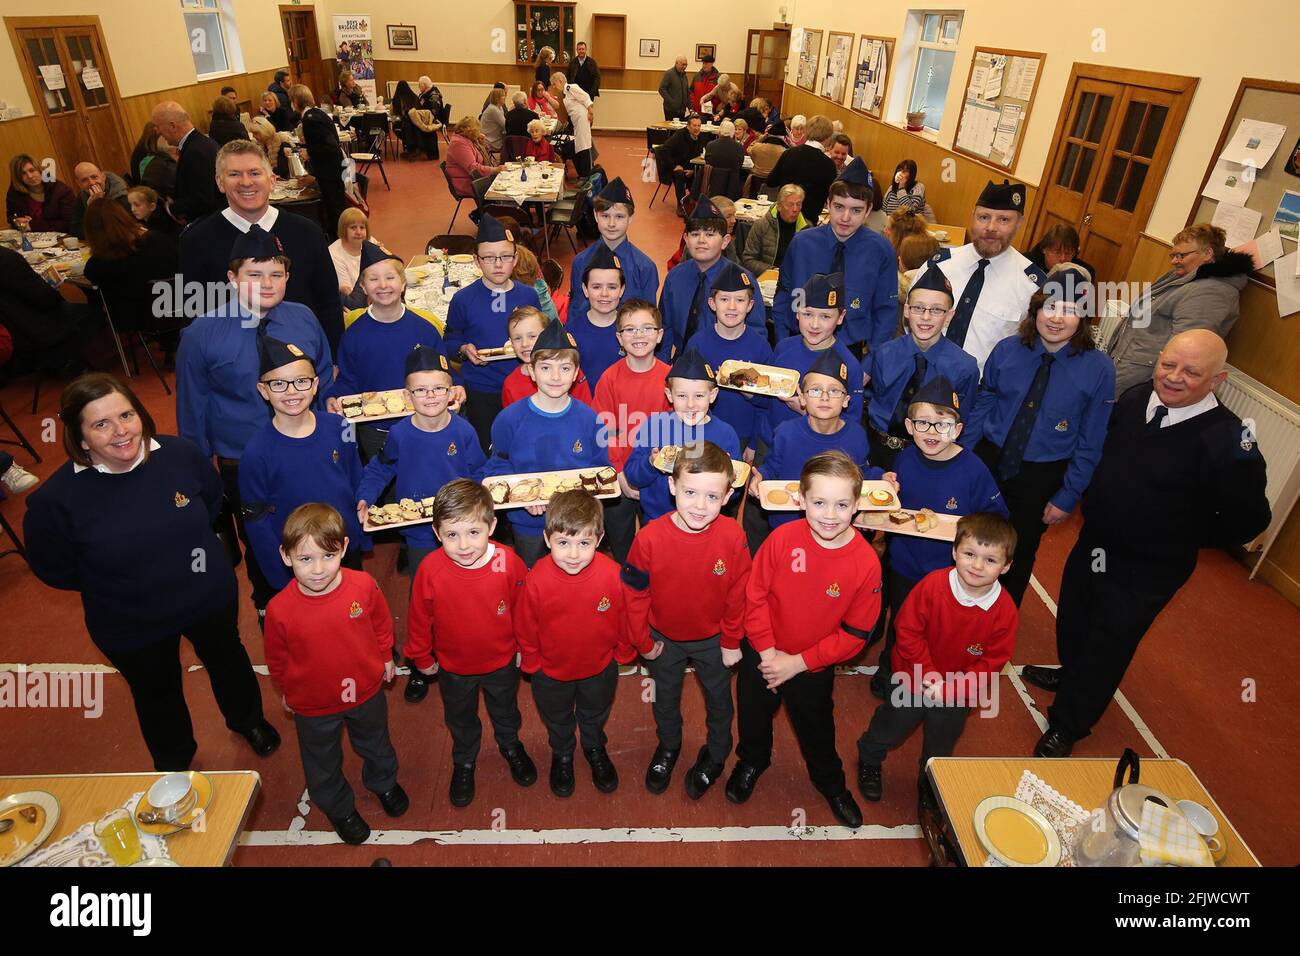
[975, 650]
[354, 611]
[181, 500]
[720, 568]
[335, 455]
[952, 503]
[604, 604]
[1063, 426]
[451, 449]
[834, 589]
[1247, 444]
[577, 446]
[856, 303]
[501, 608]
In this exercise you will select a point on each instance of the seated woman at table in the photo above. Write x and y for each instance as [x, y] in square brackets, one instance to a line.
[493, 119]
[353, 230]
[539, 147]
[745, 136]
[905, 192]
[798, 131]
[280, 117]
[349, 94]
[147, 209]
[467, 156]
[275, 144]
[225, 124]
[34, 204]
[321, 137]
[541, 101]
[126, 259]
[121, 522]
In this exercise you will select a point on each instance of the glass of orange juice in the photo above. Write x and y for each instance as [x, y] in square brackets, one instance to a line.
[119, 837]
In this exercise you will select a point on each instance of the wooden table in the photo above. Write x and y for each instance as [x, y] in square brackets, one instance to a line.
[962, 782]
[956, 234]
[545, 199]
[87, 797]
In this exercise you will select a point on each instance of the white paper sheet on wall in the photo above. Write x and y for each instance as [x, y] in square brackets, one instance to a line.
[91, 79]
[1238, 222]
[1264, 249]
[1229, 183]
[52, 74]
[1021, 73]
[1254, 142]
[1288, 284]
[979, 126]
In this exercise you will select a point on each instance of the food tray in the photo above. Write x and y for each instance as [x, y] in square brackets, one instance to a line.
[497, 354]
[784, 381]
[767, 488]
[741, 468]
[381, 398]
[423, 505]
[548, 487]
[945, 530]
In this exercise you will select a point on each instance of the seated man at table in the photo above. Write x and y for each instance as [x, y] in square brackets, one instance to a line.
[723, 152]
[683, 146]
[519, 116]
[770, 235]
[48, 331]
[94, 184]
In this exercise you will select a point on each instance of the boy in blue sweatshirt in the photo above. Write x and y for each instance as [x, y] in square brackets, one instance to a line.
[691, 390]
[728, 337]
[824, 395]
[614, 209]
[548, 431]
[603, 286]
[936, 473]
[476, 319]
[297, 457]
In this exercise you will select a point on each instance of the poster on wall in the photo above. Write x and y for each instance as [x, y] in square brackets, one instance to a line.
[871, 73]
[354, 50]
[835, 79]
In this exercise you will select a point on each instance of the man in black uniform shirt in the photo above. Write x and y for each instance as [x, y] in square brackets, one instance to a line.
[1178, 472]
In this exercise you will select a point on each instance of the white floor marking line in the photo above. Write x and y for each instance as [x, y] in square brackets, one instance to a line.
[1141, 726]
[1012, 671]
[61, 668]
[765, 834]
[1042, 593]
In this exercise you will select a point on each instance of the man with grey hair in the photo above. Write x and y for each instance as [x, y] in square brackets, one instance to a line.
[196, 170]
[1174, 452]
[578, 105]
[675, 90]
[95, 184]
[726, 157]
[771, 233]
[519, 115]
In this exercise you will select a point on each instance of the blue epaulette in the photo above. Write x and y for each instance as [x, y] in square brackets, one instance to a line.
[944, 253]
[1036, 274]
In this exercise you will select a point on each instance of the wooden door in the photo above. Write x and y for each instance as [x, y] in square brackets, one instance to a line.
[84, 115]
[1114, 138]
[302, 51]
[765, 62]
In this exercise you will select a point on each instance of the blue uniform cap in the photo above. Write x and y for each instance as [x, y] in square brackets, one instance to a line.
[372, 252]
[940, 393]
[691, 365]
[602, 258]
[732, 278]
[855, 171]
[555, 336]
[616, 191]
[273, 354]
[831, 364]
[1070, 285]
[823, 291]
[257, 243]
[704, 209]
[421, 359]
[491, 229]
[1003, 196]
[932, 280]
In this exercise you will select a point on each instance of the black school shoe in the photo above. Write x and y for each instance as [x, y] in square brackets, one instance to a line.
[603, 774]
[352, 829]
[263, 738]
[462, 785]
[870, 782]
[417, 686]
[522, 768]
[846, 809]
[562, 775]
[702, 775]
[395, 802]
[660, 772]
[740, 785]
[1048, 678]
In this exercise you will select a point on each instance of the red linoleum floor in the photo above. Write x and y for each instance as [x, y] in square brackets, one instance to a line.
[1186, 686]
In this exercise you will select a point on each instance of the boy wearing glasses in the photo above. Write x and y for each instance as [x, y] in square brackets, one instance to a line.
[296, 458]
[824, 395]
[936, 473]
[476, 319]
[900, 367]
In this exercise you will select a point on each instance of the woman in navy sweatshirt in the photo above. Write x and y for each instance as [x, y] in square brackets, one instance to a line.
[128, 523]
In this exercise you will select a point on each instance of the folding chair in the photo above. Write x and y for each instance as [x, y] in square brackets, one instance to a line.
[377, 135]
[663, 173]
[459, 197]
[514, 148]
[444, 118]
[567, 213]
[454, 244]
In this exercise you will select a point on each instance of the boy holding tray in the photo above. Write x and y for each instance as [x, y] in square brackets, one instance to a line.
[691, 390]
[477, 317]
[548, 431]
[812, 598]
[898, 368]
[329, 641]
[936, 473]
[691, 551]
[524, 325]
[295, 458]
[824, 395]
[572, 628]
[614, 209]
[956, 629]
[461, 623]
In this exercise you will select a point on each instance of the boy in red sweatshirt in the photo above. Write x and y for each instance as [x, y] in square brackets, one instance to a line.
[460, 625]
[956, 630]
[572, 626]
[525, 325]
[685, 585]
[812, 599]
[329, 644]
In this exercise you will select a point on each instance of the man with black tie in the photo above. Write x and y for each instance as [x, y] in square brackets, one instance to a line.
[1178, 472]
[991, 281]
[196, 171]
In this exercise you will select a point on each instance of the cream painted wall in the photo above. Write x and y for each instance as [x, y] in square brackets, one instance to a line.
[1191, 37]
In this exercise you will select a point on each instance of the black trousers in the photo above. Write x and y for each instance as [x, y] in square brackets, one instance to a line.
[669, 673]
[582, 162]
[810, 702]
[1026, 495]
[897, 588]
[620, 525]
[320, 743]
[682, 179]
[481, 410]
[155, 677]
[262, 590]
[880, 454]
[460, 709]
[1109, 599]
[530, 548]
[371, 440]
[582, 704]
[891, 725]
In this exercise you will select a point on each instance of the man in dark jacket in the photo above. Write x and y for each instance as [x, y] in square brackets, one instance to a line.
[585, 72]
[675, 90]
[196, 171]
[1178, 472]
[280, 87]
[519, 115]
[49, 332]
[682, 147]
[321, 137]
[93, 184]
[807, 165]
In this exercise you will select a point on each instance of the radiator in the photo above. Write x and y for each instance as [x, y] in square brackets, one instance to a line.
[1275, 420]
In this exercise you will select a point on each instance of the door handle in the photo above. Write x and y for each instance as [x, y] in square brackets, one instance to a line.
[1087, 219]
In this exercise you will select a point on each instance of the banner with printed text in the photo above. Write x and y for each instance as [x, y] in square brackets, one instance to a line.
[354, 50]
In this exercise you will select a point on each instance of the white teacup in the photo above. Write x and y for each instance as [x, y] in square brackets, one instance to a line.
[71, 242]
[172, 796]
[1204, 823]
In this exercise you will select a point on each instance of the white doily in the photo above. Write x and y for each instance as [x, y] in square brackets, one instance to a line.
[82, 847]
[1065, 816]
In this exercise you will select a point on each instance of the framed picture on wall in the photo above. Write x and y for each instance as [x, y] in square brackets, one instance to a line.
[402, 37]
[649, 48]
[705, 49]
